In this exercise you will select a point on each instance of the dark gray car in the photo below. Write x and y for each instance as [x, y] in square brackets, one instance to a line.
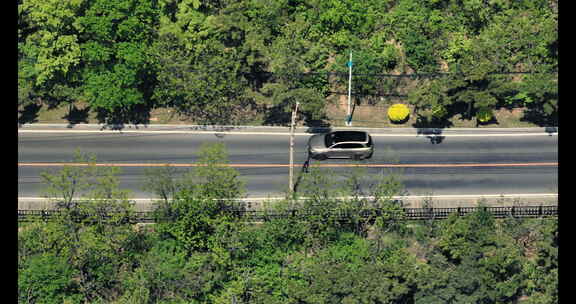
[341, 144]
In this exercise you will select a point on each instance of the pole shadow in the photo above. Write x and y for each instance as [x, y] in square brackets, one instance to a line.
[303, 170]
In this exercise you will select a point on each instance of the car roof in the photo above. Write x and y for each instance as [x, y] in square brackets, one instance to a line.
[348, 136]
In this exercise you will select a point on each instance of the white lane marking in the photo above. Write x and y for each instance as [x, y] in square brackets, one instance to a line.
[465, 165]
[280, 133]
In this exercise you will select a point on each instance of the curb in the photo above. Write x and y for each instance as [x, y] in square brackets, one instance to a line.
[413, 201]
[276, 129]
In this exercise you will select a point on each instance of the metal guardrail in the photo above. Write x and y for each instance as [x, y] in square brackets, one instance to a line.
[408, 214]
[497, 212]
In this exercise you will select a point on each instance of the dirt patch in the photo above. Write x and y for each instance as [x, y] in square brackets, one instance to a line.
[364, 115]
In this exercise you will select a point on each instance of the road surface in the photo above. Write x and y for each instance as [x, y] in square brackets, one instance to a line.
[453, 165]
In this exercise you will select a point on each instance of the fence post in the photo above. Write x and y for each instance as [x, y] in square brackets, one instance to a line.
[540, 211]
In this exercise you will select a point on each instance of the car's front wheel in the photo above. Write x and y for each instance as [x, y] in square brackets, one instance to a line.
[370, 155]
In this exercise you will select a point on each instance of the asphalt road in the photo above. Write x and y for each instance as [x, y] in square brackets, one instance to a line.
[463, 165]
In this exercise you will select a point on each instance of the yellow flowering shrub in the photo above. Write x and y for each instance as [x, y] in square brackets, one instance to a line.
[398, 112]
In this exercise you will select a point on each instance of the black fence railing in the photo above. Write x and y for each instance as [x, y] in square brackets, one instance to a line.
[265, 215]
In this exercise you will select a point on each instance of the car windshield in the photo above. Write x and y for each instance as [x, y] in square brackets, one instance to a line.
[344, 136]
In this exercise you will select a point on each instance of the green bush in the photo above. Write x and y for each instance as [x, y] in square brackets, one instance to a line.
[484, 115]
[46, 278]
[398, 113]
[439, 111]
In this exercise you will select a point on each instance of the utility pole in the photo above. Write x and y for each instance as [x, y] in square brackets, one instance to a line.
[349, 116]
[292, 125]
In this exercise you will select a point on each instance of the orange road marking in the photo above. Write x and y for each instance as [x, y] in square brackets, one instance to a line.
[545, 164]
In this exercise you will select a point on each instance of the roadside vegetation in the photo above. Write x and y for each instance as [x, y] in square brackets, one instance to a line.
[198, 251]
[247, 62]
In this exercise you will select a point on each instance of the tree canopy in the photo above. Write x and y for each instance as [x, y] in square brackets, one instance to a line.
[237, 61]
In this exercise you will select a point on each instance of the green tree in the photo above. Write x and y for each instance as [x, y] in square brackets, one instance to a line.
[205, 199]
[542, 270]
[510, 42]
[414, 26]
[343, 22]
[70, 182]
[482, 46]
[372, 201]
[285, 66]
[541, 88]
[326, 206]
[49, 52]
[88, 193]
[462, 237]
[49, 31]
[164, 182]
[205, 85]
[166, 273]
[294, 79]
[94, 229]
[346, 272]
[115, 39]
[206, 59]
[430, 101]
[480, 261]
[46, 278]
[367, 62]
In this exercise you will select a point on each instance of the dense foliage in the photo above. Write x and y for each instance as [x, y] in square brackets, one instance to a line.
[200, 252]
[237, 61]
